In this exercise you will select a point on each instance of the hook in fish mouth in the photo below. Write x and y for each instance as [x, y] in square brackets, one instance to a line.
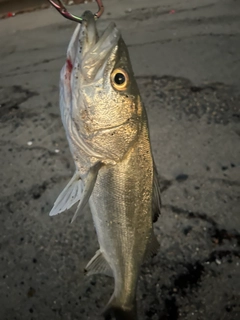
[63, 11]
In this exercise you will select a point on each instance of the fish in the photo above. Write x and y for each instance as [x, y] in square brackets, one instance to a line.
[106, 126]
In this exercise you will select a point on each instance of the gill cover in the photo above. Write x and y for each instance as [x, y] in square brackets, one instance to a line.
[100, 105]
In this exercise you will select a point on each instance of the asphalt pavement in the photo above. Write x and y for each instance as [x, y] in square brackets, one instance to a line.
[185, 56]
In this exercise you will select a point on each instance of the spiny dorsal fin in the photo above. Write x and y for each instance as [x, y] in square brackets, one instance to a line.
[69, 196]
[98, 264]
[156, 202]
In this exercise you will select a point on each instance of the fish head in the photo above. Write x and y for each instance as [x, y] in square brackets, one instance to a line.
[99, 90]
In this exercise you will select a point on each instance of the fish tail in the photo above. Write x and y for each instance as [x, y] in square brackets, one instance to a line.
[115, 311]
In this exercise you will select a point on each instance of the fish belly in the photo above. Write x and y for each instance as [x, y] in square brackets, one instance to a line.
[121, 206]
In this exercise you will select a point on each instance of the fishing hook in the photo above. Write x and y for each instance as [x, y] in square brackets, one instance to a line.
[62, 9]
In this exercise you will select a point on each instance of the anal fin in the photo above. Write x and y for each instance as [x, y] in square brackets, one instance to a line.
[98, 265]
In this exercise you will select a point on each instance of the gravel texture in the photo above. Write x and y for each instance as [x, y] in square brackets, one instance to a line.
[190, 85]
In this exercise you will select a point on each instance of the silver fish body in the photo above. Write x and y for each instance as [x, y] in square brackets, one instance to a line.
[107, 130]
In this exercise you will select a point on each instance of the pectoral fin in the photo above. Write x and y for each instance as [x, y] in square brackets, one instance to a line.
[89, 183]
[98, 264]
[69, 196]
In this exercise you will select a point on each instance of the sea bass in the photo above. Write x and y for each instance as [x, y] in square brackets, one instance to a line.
[107, 130]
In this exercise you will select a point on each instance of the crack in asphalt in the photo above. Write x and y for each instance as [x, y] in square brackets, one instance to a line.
[217, 234]
[163, 41]
[34, 192]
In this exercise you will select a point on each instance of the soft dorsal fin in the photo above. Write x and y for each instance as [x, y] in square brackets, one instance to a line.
[153, 247]
[156, 202]
[69, 196]
[98, 264]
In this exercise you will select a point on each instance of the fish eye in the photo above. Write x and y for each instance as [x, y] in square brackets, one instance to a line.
[119, 79]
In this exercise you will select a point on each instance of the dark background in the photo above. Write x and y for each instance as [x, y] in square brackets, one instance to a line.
[187, 65]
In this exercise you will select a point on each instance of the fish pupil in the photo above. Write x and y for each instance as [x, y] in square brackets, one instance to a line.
[119, 78]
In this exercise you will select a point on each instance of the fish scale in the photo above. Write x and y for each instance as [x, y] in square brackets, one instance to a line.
[107, 129]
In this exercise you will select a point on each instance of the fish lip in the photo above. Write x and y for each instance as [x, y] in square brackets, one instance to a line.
[88, 52]
[96, 55]
[90, 32]
[80, 37]
[73, 45]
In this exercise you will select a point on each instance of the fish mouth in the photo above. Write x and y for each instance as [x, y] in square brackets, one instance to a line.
[88, 52]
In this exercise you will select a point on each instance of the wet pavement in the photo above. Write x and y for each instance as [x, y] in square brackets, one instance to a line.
[9, 8]
[186, 65]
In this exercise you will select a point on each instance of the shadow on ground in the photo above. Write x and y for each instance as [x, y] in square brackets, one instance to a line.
[194, 274]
